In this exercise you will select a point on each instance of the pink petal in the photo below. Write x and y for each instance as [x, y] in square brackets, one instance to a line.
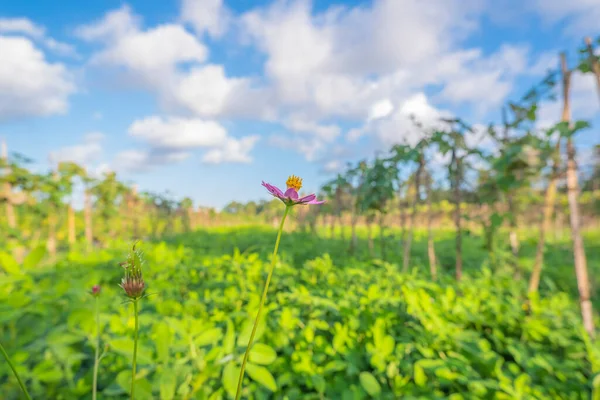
[316, 202]
[307, 199]
[291, 194]
[273, 190]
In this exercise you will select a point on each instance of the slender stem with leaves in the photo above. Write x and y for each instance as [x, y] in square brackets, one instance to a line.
[262, 303]
[10, 364]
[135, 345]
[97, 353]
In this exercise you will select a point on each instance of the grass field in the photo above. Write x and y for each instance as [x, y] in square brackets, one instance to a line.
[337, 326]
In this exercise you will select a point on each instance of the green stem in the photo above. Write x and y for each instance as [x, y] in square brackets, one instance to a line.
[96, 356]
[135, 342]
[262, 303]
[15, 372]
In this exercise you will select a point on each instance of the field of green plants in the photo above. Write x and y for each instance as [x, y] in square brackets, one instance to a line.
[336, 326]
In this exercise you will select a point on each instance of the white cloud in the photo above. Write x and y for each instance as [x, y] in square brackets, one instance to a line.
[21, 25]
[206, 15]
[206, 90]
[154, 58]
[178, 133]
[26, 27]
[581, 16]
[84, 154]
[232, 151]
[172, 139]
[303, 124]
[154, 51]
[398, 127]
[310, 147]
[151, 53]
[143, 161]
[115, 24]
[30, 85]
[485, 82]
[381, 109]
[341, 61]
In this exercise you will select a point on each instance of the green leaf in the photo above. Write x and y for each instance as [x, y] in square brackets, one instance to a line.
[387, 346]
[229, 341]
[9, 264]
[262, 354]
[335, 365]
[262, 376]
[496, 220]
[143, 388]
[168, 383]
[244, 336]
[208, 337]
[163, 341]
[596, 388]
[420, 377]
[34, 257]
[319, 383]
[124, 346]
[369, 383]
[47, 372]
[231, 374]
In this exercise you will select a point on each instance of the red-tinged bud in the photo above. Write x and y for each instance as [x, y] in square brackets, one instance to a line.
[133, 286]
[96, 290]
[133, 283]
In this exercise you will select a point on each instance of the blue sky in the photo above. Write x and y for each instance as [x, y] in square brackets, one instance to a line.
[206, 98]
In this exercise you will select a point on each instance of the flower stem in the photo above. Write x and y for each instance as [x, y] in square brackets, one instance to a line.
[15, 372]
[96, 356]
[135, 342]
[262, 303]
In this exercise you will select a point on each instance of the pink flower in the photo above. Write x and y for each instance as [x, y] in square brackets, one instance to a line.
[290, 197]
[95, 290]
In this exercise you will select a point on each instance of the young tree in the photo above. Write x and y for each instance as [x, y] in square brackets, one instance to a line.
[430, 240]
[572, 194]
[592, 63]
[68, 171]
[375, 194]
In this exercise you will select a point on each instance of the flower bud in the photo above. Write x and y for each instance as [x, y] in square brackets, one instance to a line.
[96, 290]
[133, 283]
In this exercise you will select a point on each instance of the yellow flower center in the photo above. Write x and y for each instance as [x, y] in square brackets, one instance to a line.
[294, 182]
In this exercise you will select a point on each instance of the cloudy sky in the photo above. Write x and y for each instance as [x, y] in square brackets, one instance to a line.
[206, 98]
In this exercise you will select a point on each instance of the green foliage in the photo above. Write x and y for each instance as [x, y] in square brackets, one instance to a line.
[337, 327]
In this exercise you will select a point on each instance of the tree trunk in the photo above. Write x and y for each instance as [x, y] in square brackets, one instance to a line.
[190, 225]
[430, 242]
[87, 215]
[457, 217]
[411, 223]
[513, 237]
[51, 243]
[549, 201]
[11, 217]
[594, 65]
[353, 238]
[402, 218]
[370, 235]
[583, 283]
[382, 234]
[332, 226]
[71, 224]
